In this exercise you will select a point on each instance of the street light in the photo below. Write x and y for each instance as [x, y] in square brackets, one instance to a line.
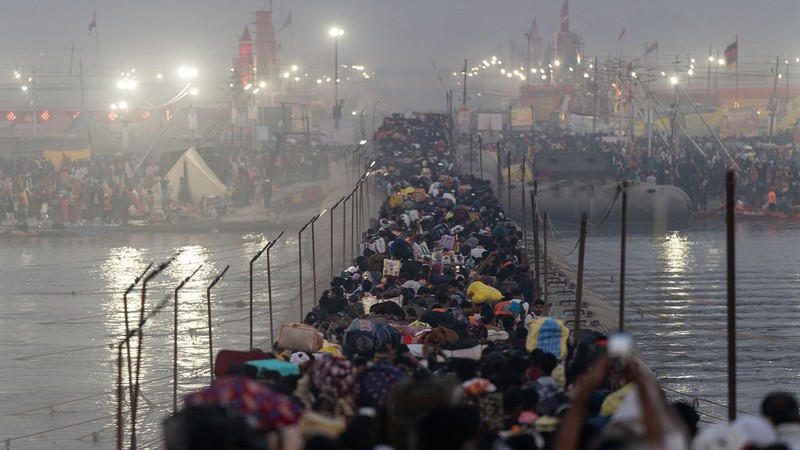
[33, 104]
[673, 120]
[336, 32]
[122, 107]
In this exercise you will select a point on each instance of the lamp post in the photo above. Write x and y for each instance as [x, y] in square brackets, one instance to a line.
[787, 83]
[33, 106]
[300, 261]
[314, 253]
[673, 121]
[127, 84]
[528, 37]
[122, 109]
[29, 90]
[337, 112]
[708, 81]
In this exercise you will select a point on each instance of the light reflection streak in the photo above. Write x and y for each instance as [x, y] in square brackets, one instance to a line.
[118, 271]
[192, 313]
[675, 248]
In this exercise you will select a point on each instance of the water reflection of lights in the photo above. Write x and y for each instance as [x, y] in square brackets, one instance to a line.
[121, 263]
[675, 249]
[25, 258]
[120, 270]
[192, 312]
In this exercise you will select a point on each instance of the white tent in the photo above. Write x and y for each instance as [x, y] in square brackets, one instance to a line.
[200, 179]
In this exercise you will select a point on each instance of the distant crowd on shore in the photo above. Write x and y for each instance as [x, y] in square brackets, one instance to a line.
[762, 164]
[436, 338]
[106, 189]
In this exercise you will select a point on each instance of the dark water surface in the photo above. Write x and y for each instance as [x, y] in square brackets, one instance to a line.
[676, 296]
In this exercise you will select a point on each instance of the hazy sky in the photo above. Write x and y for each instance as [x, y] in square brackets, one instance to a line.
[161, 34]
[387, 33]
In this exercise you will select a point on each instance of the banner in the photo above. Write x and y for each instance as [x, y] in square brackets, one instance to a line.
[56, 157]
[521, 117]
[490, 122]
[391, 267]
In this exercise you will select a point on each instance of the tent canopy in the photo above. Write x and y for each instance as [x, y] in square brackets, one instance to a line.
[200, 179]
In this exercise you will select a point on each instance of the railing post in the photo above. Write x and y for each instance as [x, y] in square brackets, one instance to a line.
[210, 328]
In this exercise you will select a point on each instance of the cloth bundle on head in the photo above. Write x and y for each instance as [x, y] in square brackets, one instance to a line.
[299, 358]
[755, 430]
[717, 437]
[268, 409]
[477, 252]
[478, 386]
[413, 285]
[376, 383]
[334, 377]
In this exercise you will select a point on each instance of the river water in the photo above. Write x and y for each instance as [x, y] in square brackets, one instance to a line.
[62, 312]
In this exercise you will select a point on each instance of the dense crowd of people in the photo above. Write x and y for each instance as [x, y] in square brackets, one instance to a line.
[762, 165]
[107, 189]
[436, 338]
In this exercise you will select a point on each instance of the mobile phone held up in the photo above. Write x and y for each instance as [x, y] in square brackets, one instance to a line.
[620, 345]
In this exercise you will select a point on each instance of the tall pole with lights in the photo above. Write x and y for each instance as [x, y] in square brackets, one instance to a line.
[336, 32]
[528, 37]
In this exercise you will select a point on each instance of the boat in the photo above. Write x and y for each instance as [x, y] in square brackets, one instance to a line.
[572, 183]
[748, 214]
[10, 232]
[565, 201]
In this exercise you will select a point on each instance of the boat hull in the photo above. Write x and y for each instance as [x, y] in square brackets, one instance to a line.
[565, 201]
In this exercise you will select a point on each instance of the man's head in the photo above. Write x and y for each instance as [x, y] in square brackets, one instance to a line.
[548, 363]
[538, 307]
[780, 407]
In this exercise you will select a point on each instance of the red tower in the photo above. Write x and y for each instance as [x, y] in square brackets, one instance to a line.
[244, 64]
